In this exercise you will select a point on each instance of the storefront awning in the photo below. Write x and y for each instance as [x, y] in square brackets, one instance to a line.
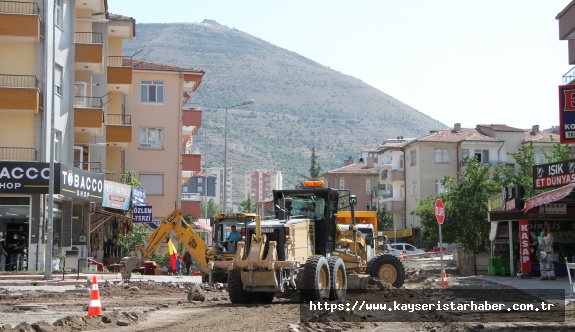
[203, 227]
[548, 197]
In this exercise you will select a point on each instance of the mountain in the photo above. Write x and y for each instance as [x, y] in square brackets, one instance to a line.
[298, 102]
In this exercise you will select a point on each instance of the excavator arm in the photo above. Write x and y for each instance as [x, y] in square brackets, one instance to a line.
[172, 222]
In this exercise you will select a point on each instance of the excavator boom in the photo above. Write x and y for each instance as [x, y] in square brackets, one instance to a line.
[173, 222]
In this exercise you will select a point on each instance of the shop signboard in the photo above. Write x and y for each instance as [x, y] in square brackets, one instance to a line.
[142, 213]
[567, 114]
[405, 232]
[496, 203]
[553, 174]
[138, 196]
[553, 208]
[78, 183]
[20, 177]
[116, 195]
[524, 249]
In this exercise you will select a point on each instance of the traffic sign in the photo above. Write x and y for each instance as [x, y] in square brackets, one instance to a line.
[439, 211]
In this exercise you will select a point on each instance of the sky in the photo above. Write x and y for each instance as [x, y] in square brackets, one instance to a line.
[468, 62]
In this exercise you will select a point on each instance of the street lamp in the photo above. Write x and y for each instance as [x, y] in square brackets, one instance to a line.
[247, 102]
[206, 170]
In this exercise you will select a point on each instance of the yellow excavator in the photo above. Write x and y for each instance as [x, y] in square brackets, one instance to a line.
[201, 255]
[303, 249]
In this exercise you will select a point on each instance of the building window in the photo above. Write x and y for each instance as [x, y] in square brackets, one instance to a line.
[59, 13]
[200, 189]
[153, 183]
[341, 183]
[482, 156]
[151, 138]
[401, 161]
[464, 154]
[539, 157]
[152, 92]
[368, 187]
[413, 156]
[442, 156]
[57, 146]
[200, 180]
[402, 191]
[414, 188]
[58, 71]
[438, 187]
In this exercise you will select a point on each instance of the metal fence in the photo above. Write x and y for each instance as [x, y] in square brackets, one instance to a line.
[88, 37]
[88, 102]
[119, 119]
[13, 153]
[18, 7]
[120, 61]
[18, 81]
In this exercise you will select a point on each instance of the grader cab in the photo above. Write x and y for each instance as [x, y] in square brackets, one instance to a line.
[304, 249]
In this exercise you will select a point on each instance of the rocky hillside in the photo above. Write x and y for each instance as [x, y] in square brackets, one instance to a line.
[298, 102]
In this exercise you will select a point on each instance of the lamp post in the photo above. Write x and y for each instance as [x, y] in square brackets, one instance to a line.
[247, 102]
[206, 170]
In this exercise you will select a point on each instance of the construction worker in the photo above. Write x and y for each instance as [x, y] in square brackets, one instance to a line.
[233, 238]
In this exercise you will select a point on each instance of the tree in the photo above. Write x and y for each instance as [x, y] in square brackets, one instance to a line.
[213, 209]
[314, 168]
[384, 219]
[247, 206]
[137, 237]
[466, 208]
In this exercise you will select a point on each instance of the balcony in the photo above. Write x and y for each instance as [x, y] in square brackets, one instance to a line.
[19, 93]
[392, 175]
[192, 121]
[120, 74]
[569, 77]
[18, 154]
[191, 197]
[20, 22]
[88, 115]
[394, 205]
[119, 130]
[192, 81]
[191, 162]
[92, 166]
[116, 177]
[89, 54]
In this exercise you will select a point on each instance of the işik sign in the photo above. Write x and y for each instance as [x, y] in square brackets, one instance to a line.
[554, 174]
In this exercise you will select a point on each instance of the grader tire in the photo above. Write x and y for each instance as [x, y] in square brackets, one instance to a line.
[236, 288]
[388, 269]
[316, 279]
[338, 278]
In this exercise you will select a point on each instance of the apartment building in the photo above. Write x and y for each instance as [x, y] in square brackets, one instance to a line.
[163, 132]
[200, 187]
[65, 107]
[259, 184]
[360, 178]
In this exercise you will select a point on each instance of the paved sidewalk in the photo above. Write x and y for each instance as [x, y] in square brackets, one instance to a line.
[534, 285]
[14, 279]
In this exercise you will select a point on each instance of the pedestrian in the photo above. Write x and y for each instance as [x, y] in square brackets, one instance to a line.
[3, 254]
[188, 262]
[15, 247]
[178, 266]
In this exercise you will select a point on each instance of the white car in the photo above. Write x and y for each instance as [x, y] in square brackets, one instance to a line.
[406, 248]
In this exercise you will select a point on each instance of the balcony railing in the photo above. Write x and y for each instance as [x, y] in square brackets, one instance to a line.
[18, 81]
[120, 61]
[88, 37]
[88, 102]
[569, 76]
[119, 119]
[194, 197]
[17, 7]
[117, 177]
[92, 166]
[12, 153]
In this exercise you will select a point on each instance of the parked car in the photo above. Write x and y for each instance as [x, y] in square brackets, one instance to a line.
[406, 248]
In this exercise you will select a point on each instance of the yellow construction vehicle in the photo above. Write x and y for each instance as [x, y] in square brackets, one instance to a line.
[304, 249]
[199, 251]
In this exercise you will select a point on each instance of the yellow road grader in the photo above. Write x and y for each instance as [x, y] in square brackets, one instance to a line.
[304, 249]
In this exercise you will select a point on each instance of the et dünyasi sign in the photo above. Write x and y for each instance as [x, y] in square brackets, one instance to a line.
[554, 174]
[567, 114]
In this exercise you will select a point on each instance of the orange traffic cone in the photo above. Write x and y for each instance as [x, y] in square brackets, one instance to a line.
[95, 307]
[443, 283]
[401, 255]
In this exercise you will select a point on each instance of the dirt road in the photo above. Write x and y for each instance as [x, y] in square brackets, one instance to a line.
[146, 306]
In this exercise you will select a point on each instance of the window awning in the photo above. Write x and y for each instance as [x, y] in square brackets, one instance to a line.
[548, 197]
